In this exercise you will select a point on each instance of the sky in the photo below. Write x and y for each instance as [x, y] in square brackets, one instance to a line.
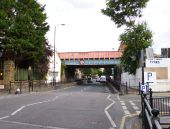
[87, 29]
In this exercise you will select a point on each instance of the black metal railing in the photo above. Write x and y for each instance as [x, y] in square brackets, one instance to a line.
[26, 86]
[161, 103]
[150, 116]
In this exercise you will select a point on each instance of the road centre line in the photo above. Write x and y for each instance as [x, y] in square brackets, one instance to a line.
[107, 114]
[33, 125]
[15, 112]
[40, 102]
[4, 117]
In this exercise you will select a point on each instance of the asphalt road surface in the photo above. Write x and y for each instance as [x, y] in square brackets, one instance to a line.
[91, 106]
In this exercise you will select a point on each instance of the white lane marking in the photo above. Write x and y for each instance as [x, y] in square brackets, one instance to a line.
[135, 107]
[124, 107]
[33, 125]
[21, 108]
[4, 117]
[124, 120]
[15, 112]
[132, 103]
[107, 114]
[122, 104]
[126, 112]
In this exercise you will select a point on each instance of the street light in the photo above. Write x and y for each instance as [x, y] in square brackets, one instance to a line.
[54, 72]
[142, 60]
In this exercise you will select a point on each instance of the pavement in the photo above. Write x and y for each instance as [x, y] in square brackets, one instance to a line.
[40, 89]
[134, 122]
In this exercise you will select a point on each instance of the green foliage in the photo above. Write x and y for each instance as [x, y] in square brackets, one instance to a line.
[107, 71]
[117, 72]
[86, 71]
[90, 71]
[23, 29]
[136, 38]
[124, 12]
[63, 66]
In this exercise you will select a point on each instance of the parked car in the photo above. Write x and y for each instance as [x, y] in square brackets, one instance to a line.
[103, 79]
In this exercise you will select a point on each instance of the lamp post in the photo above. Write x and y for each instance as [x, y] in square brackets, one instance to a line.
[142, 59]
[54, 71]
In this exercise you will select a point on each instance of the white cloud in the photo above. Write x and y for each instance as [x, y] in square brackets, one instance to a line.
[87, 29]
[157, 16]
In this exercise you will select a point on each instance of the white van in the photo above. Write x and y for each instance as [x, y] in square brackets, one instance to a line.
[103, 79]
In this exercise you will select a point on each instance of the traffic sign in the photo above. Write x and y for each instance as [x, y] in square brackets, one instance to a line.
[150, 77]
[144, 88]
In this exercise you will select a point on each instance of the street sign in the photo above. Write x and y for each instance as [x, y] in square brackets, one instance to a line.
[144, 88]
[150, 77]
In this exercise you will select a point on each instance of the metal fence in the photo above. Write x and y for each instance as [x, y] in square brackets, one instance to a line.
[160, 103]
[150, 116]
[27, 86]
[163, 104]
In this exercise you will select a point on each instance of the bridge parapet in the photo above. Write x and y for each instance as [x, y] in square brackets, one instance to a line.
[91, 58]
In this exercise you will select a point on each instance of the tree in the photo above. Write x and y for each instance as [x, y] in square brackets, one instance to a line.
[23, 28]
[90, 71]
[135, 39]
[124, 12]
[107, 71]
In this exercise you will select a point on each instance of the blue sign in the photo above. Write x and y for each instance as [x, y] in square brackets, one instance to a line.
[144, 88]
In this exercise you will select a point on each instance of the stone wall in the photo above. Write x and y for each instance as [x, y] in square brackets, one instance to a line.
[9, 72]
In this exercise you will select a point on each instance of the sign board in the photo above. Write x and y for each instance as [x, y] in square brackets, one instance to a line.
[144, 88]
[150, 78]
[158, 62]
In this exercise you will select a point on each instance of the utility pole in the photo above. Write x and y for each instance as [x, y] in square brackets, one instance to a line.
[54, 77]
[142, 59]
[54, 70]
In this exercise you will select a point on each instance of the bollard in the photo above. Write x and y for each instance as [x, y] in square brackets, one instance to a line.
[126, 88]
[20, 86]
[151, 98]
[139, 89]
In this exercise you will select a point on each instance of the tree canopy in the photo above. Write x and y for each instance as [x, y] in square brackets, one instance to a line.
[135, 39]
[124, 12]
[22, 30]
